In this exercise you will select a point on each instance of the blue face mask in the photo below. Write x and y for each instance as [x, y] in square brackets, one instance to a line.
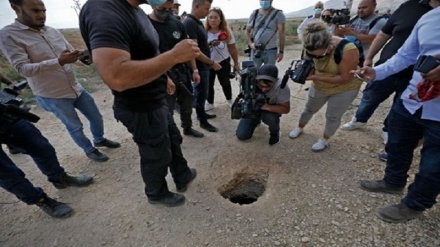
[318, 11]
[265, 4]
[154, 2]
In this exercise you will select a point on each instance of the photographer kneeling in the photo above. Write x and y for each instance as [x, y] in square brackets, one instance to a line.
[332, 82]
[277, 102]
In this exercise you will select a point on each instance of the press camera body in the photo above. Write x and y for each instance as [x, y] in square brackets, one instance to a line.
[12, 108]
[250, 100]
[259, 48]
[339, 16]
[298, 71]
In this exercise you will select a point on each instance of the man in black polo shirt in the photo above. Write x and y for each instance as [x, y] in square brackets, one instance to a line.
[196, 31]
[125, 52]
[171, 31]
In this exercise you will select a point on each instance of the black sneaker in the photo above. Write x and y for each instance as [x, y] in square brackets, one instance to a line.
[184, 187]
[380, 186]
[210, 116]
[170, 200]
[54, 208]
[193, 132]
[107, 143]
[274, 139]
[66, 181]
[383, 156]
[398, 213]
[97, 156]
[207, 126]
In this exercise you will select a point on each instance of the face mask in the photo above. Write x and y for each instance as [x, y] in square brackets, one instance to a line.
[153, 2]
[318, 11]
[265, 4]
[163, 15]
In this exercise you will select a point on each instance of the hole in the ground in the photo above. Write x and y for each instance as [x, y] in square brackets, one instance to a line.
[245, 187]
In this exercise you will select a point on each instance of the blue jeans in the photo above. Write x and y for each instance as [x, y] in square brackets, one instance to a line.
[246, 126]
[29, 139]
[64, 110]
[158, 140]
[377, 92]
[404, 132]
[200, 95]
[267, 57]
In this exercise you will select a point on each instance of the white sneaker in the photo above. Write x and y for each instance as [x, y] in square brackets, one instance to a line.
[209, 106]
[295, 132]
[353, 124]
[229, 102]
[385, 137]
[320, 145]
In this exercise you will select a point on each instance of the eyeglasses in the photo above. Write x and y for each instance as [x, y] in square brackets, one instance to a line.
[317, 56]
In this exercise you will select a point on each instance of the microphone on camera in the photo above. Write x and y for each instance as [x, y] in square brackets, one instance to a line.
[286, 75]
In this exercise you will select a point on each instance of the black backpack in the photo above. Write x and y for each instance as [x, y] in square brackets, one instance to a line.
[340, 49]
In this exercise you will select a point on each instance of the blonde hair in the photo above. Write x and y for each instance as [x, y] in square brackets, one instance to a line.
[315, 36]
[224, 26]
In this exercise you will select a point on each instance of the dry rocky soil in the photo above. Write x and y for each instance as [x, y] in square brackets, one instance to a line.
[299, 198]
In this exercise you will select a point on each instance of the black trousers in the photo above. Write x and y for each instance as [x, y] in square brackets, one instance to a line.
[158, 140]
[184, 98]
[223, 78]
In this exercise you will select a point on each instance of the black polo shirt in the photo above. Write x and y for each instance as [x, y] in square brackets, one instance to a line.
[195, 30]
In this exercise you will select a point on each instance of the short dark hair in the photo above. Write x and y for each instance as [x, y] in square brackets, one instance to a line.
[201, 1]
[16, 2]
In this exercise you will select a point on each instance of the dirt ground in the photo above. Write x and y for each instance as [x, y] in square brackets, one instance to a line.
[303, 198]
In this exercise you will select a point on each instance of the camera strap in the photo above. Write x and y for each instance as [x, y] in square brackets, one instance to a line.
[267, 24]
[263, 21]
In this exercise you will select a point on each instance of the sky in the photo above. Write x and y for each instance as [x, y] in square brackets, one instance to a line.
[60, 13]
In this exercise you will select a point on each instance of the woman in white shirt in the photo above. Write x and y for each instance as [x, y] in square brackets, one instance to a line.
[222, 44]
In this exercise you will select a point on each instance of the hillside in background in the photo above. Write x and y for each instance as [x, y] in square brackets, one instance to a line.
[382, 6]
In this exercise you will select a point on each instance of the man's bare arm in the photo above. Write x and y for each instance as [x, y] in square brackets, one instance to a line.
[120, 73]
[379, 41]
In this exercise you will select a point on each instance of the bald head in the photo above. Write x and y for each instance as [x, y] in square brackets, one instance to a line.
[366, 8]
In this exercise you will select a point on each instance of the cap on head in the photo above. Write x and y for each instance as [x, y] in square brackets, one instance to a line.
[176, 2]
[268, 72]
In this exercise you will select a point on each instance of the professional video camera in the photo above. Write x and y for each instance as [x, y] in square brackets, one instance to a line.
[299, 73]
[12, 108]
[249, 101]
[339, 16]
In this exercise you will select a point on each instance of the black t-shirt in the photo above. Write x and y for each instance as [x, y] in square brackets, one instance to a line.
[117, 24]
[195, 30]
[170, 33]
[400, 26]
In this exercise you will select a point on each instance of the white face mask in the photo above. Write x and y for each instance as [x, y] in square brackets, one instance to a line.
[317, 11]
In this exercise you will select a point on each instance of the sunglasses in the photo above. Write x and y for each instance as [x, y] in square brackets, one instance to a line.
[316, 56]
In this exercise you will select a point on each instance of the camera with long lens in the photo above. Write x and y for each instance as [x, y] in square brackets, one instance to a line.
[12, 108]
[298, 71]
[259, 48]
[250, 100]
[340, 16]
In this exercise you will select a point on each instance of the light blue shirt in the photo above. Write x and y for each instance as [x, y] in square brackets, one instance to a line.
[424, 40]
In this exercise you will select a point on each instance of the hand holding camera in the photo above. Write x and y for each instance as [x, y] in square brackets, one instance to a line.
[85, 57]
